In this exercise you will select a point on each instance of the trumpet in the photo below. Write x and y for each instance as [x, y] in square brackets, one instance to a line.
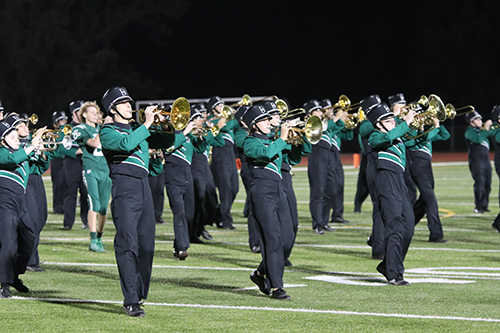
[312, 129]
[170, 119]
[421, 104]
[354, 119]
[49, 138]
[203, 131]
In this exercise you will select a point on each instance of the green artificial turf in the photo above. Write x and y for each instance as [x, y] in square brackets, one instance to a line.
[210, 291]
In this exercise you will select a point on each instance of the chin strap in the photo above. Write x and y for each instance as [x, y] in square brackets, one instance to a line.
[114, 108]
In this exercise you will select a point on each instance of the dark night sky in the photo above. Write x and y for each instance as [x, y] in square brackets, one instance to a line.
[319, 49]
[296, 50]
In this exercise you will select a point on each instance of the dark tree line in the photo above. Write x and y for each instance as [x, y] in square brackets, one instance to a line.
[56, 51]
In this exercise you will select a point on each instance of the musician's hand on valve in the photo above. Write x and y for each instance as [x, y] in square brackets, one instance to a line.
[150, 114]
[285, 129]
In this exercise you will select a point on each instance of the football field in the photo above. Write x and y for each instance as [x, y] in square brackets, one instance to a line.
[334, 286]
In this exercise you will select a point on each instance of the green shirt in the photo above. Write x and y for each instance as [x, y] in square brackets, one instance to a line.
[92, 158]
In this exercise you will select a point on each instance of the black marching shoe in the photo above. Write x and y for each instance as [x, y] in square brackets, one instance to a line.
[5, 291]
[328, 228]
[382, 269]
[280, 294]
[19, 286]
[229, 227]
[205, 234]
[339, 220]
[134, 310]
[399, 282]
[319, 231]
[256, 249]
[438, 240]
[288, 263]
[35, 268]
[261, 282]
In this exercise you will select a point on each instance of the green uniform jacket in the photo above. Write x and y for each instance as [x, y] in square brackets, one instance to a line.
[126, 147]
[265, 156]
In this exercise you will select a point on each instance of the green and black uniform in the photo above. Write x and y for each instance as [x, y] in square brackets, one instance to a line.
[126, 148]
[269, 203]
[392, 195]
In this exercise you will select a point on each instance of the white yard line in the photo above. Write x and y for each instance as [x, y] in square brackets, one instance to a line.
[255, 308]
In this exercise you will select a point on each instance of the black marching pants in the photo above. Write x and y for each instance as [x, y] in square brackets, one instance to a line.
[292, 203]
[319, 165]
[334, 194]
[57, 177]
[272, 214]
[156, 183]
[180, 192]
[73, 182]
[480, 170]
[225, 176]
[377, 236]
[133, 216]
[362, 191]
[17, 237]
[421, 172]
[397, 214]
[36, 200]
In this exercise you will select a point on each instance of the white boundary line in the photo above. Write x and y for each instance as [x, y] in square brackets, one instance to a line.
[254, 308]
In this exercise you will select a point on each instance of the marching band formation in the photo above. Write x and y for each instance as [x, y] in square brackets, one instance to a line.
[127, 155]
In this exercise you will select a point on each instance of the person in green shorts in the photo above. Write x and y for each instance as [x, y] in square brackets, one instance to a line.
[95, 172]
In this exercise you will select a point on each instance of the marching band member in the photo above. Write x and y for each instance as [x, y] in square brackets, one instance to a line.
[377, 237]
[126, 148]
[246, 176]
[392, 194]
[291, 157]
[223, 165]
[478, 144]
[156, 179]
[179, 184]
[268, 198]
[335, 193]
[95, 172]
[206, 202]
[397, 102]
[17, 238]
[320, 169]
[36, 199]
[495, 116]
[59, 120]
[73, 180]
[421, 172]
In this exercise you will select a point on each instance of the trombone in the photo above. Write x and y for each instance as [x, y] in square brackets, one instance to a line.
[344, 104]
[451, 111]
[175, 118]
[245, 100]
